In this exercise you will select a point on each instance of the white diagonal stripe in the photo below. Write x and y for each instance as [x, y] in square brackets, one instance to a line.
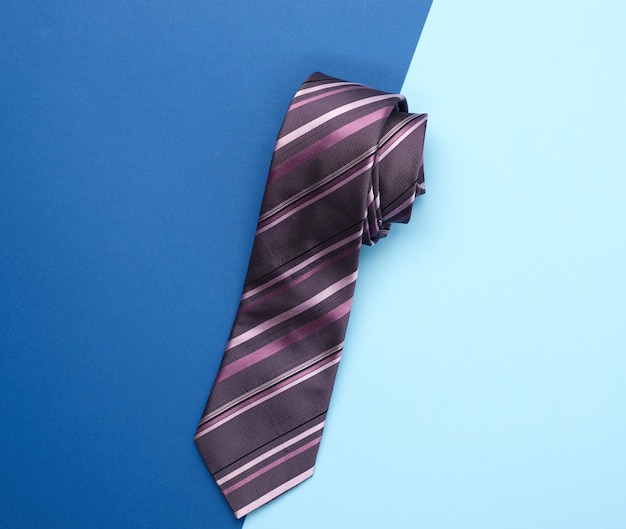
[327, 192]
[317, 88]
[401, 207]
[269, 383]
[298, 309]
[301, 131]
[339, 172]
[302, 265]
[206, 430]
[400, 139]
[274, 493]
[271, 452]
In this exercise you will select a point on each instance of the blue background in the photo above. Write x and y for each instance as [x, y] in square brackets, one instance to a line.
[484, 378]
[483, 381]
[134, 143]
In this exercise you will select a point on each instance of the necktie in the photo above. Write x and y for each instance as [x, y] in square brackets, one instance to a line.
[347, 164]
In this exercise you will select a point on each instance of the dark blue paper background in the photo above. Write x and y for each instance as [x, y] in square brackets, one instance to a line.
[134, 144]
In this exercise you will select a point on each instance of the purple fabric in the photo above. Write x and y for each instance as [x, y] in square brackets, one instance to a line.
[348, 163]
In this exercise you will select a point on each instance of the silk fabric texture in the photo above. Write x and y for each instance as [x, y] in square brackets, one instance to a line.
[347, 164]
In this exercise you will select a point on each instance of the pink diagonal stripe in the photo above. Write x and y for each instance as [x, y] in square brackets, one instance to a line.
[319, 87]
[270, 383]
[299, 280]
[272, 465]
[291, 313]
[300, 266]
[316, 185]
[326, 143]
[268, 394]
[293, 106]
[293, 209]
[274, 493]
[399, 209]
[324, 118]
[386, 150]
[271, 452]
[285, 341]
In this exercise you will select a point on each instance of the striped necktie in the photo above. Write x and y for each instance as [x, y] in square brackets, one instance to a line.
[347, 164]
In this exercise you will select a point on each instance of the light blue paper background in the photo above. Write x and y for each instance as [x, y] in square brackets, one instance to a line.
[483, 383]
